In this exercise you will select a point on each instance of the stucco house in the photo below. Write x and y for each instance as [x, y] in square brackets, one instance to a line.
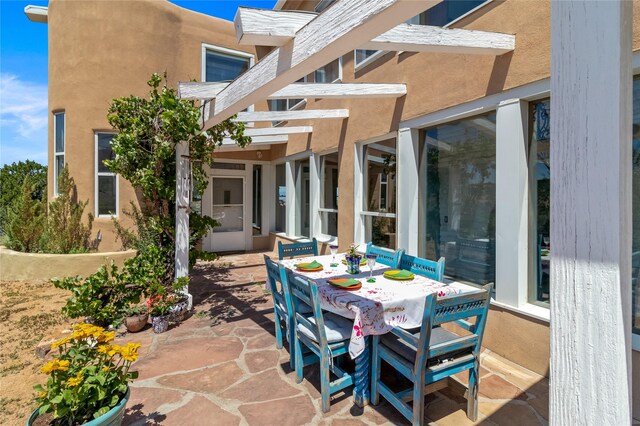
[457, 165]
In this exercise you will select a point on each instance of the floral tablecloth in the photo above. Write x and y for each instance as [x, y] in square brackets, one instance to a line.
[376, 307]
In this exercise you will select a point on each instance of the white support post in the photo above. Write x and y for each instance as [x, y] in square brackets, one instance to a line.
[290, 206]
[358, 195]
[591, 87]
[512, 203]
[314, 196]
[183, 189]
[408, 195]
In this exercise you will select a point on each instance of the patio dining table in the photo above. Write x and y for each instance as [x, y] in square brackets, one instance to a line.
[376, 308]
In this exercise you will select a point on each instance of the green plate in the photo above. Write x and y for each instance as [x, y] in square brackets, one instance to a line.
[397, 274]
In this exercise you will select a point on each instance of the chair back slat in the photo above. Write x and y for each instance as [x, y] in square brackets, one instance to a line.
[306, 291]
[424, 267]
[385, 256]
[275, 275]
[297, 249]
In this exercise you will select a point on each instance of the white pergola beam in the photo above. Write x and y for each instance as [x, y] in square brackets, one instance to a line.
[306, 114]
[193, 90]
[275, 28]
[591, 205]
[427, 38]
[265, 27]
[268, 131]
[257, 140]
[343, 27]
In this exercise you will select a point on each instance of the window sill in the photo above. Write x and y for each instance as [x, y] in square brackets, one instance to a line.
[369, 60]
[532, 311]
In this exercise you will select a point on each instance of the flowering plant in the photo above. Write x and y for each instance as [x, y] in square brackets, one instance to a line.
[88, 377]
[160, 305]
[352, 251]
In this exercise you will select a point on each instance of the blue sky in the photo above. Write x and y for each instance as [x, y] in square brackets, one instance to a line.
[23, 74]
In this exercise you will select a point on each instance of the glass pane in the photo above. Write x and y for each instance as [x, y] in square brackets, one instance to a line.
[227, 191]
[224, 67]
[104, 151]
[445, 11]
[281, 198]
[229, 217]
[217, 165]
[257, 200]
[329, 73]
[59, 124]
[381, 231]
[635, 245]
[459, 177]
[540, 145]
[362, 54]
[381, 176]
[107, 195]
[59, 167]
[303, 198]
[329, 200]
[330, 223]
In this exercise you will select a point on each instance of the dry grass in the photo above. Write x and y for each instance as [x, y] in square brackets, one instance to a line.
[29, 312]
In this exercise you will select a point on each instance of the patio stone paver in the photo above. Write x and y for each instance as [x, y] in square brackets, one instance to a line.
[221, 366]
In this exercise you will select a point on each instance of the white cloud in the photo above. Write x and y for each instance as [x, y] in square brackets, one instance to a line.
[23, 120]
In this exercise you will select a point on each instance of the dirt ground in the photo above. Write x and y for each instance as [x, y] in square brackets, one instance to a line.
[29, 312]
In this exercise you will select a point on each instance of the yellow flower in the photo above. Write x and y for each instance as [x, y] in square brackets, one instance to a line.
[84, 331]
[104, 349]
[75, 381]
[43, 394]
[114, 349]
[106, 337]
[55, 365]
[130, 352]
[105, 369]
[61, 342]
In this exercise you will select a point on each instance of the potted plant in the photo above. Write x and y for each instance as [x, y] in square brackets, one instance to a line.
[160, 309]
[181, 300]
[88, 380]
[136, 317]
[353, 259]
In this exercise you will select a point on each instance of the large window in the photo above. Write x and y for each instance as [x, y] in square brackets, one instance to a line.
[281, 198]
[635, 246]
[329, 194]
[302, 178]
[224, 66]
[106, 181]
[445, 12]
[257, 200]
[540, 172]
[330, 72]
[380, 189]
[58, 152]
[458, 174]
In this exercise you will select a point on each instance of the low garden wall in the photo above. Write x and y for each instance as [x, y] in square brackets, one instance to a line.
[15, 265]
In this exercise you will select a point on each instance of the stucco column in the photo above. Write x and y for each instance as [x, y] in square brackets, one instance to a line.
[512, 203]
[591, 111]
[183, 188]
[409, 210]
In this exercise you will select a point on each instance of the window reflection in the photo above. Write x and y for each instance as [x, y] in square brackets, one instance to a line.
[281, 198]
[329, 198]
[459, 165]
[380, 208]
[303, 198]
[635, 245]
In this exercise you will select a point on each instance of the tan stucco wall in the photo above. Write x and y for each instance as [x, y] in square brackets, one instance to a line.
[16, 266]
[99, 50]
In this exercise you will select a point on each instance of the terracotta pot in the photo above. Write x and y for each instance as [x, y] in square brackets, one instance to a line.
[136, 323]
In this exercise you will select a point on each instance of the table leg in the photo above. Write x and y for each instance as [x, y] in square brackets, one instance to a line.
[363, 369]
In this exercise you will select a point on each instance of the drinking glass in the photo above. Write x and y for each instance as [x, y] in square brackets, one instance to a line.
[334, 250]
[371, 263]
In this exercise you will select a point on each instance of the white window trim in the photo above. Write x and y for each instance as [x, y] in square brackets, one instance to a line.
[98, 174]
[360, 193]
[320, 195]
[301, 104]
[57, 154]
[339, 79]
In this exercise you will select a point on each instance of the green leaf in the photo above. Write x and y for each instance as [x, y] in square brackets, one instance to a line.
[102, 411]
[56, 399]
[44, 409]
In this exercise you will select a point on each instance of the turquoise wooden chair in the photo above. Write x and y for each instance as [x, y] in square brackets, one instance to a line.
[319, 338]
[297, 249]
[433, 353]
[284, 322]
[385, 256]
[424, 267]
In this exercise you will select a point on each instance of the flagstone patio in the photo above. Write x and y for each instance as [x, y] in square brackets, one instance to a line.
[221, 366]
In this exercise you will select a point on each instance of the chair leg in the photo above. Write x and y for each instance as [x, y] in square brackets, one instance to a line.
[418, 399]
[325, 387]
[375, 371]
[278, 321]
[472, 393]
[299, 364]
[291, 333]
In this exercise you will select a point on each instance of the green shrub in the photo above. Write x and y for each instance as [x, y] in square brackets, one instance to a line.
[26, 220]
[65, 232]
[12, 177]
